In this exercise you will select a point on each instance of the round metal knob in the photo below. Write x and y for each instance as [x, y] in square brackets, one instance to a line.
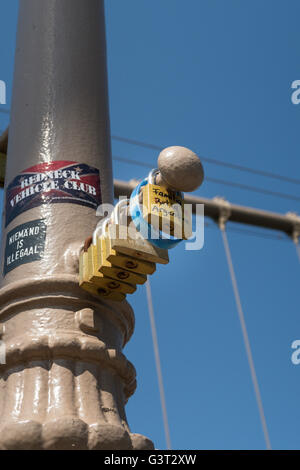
[180, 169]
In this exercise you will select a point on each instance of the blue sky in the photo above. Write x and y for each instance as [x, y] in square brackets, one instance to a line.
[214, 76]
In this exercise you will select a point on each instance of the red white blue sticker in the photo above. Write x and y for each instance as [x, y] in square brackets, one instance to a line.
[53, 182]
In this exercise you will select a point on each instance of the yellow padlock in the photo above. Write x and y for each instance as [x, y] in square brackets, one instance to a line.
[132, 264]
[120, 260]
[94, 289]
[164, 209]
[99, 279]
[130, 242]
[115, 272]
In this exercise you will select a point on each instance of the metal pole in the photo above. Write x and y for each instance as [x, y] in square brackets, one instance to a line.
[65, 381]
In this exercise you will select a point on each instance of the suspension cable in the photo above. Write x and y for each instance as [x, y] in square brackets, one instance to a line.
[158, 364]
[209, 179]
[212, 161]
[246, 337]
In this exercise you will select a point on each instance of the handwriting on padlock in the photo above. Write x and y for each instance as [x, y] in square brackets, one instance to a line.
[166, 210]
[169, 196]
[175, 219]
[160, 195]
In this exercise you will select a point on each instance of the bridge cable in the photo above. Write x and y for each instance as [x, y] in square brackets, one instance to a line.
[158, 364]
[222, 224]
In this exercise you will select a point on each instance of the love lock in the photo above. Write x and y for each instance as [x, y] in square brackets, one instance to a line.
[113, 271]
[95, 289]
[158, 213]
[130, 241]
[164, 208]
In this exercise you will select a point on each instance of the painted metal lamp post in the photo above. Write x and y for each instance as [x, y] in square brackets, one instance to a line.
[65, 381]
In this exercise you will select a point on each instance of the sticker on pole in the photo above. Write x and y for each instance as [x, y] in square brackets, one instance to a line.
[52, 182]
[24, 244]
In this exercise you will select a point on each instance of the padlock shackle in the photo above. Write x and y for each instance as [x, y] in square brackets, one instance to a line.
[100, 228]
[115, 212]
[114, 218]
[151, 175]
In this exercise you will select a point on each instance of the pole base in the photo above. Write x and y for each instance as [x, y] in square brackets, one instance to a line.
[65, 380]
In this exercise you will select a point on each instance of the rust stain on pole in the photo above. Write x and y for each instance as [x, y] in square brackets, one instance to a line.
[65, 380]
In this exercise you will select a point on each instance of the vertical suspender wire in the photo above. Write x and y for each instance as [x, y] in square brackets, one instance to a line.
[298, 249]
[246, 339]
[158, 364]
[295, 237]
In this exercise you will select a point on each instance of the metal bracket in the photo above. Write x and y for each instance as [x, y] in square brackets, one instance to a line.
[295, 219]
[224, 211]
